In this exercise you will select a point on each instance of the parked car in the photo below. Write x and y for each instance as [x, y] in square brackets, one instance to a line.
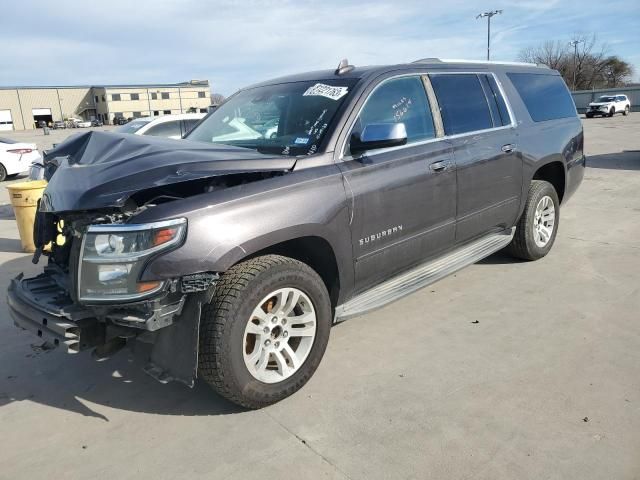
[83, 124]
[234, 258]
[96, 123]
[58, 124]
[16, 157]
[119, 121]
[170, 126]
[609, 105]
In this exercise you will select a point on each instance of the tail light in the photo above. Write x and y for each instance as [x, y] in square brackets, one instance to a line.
[20, 151]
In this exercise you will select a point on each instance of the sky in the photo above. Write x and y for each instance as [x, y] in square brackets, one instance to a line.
[236, 43]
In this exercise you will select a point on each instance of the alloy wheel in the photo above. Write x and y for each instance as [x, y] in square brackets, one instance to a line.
[544, 221]
[279, 335]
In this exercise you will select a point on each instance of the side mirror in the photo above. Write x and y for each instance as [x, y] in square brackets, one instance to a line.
[378, 135]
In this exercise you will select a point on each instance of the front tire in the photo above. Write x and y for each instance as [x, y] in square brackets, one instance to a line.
[612, 111]
[3, 173]
[265, 330]
[626, 111]
[537, 228]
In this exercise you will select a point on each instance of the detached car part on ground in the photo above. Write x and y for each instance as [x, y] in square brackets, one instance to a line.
[298, 203]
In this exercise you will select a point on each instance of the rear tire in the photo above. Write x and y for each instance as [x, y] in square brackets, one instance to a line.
[251, 351]
[537, 228]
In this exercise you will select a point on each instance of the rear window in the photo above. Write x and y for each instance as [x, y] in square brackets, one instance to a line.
[462, 102]
[545, 96]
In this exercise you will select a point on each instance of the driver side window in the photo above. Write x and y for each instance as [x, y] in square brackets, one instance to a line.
[399, 100]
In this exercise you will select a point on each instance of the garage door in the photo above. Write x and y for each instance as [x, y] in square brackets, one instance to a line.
[6, 122]
[41, 111]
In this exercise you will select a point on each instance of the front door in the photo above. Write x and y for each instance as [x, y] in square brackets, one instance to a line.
[403, 198]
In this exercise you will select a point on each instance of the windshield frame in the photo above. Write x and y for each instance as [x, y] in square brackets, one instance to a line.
[334, 125]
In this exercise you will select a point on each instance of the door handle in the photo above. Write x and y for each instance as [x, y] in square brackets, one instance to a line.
[508, 148]
[438, 166]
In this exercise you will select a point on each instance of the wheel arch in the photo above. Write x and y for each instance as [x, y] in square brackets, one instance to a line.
[306, 245]
[554, 173]
[314, 251]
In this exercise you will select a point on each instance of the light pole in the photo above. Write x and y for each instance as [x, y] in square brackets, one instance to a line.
[488, 15]
[574, 44]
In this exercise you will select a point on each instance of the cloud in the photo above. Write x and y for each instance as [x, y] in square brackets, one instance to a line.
[237, 43]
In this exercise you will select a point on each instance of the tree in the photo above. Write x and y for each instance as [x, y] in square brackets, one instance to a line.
[616, 71]
[552, 53]
[217, 99]
[583, 68]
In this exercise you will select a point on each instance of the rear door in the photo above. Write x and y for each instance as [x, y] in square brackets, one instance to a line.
[403, 198]
[476, 120]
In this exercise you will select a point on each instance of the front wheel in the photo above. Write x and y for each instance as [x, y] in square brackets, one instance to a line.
[3, 173]
[537, 228]
[626, 111]
[265, 331]
[612, 111]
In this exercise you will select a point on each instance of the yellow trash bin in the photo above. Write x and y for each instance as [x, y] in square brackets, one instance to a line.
[24, 198]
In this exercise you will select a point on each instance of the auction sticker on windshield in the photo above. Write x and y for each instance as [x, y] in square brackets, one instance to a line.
[334, 93]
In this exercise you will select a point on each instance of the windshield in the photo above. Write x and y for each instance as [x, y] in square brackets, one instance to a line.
[288, 118]
[133, 126]
[607, 99]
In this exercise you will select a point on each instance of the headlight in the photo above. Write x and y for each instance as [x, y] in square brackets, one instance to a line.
[113, 256]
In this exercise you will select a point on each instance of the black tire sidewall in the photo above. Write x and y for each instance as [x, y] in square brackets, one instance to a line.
[235, 370]
[3, 173]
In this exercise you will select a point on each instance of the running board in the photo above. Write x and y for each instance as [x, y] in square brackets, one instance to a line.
[423, 275]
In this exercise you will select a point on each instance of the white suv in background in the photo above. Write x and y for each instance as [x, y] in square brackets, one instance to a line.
[169, 126]
[608, 105]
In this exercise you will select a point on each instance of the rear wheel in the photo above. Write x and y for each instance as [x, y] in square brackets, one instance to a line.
[265, 331]
[537, 228]
[626, 111]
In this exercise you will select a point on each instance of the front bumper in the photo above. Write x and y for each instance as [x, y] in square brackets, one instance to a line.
[597, 111]
[42, 307]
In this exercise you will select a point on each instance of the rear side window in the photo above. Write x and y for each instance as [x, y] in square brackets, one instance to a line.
[545, 96]
[462, 102]
[400, 100]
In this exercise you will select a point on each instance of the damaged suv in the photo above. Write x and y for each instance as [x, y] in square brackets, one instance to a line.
[298, 203]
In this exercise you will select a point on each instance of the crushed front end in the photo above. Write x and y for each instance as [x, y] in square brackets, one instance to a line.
[90, 296]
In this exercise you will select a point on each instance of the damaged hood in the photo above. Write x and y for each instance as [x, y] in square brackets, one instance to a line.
[102, 169]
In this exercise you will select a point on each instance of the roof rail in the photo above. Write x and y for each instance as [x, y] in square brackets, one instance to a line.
[488, 62]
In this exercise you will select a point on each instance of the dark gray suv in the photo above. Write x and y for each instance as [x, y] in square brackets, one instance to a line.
[298, 203]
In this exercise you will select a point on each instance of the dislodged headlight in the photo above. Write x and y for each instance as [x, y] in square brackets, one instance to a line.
[113, 256]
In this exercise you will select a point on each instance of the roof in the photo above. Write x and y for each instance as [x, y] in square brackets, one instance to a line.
[191, 83]
[431, 63]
